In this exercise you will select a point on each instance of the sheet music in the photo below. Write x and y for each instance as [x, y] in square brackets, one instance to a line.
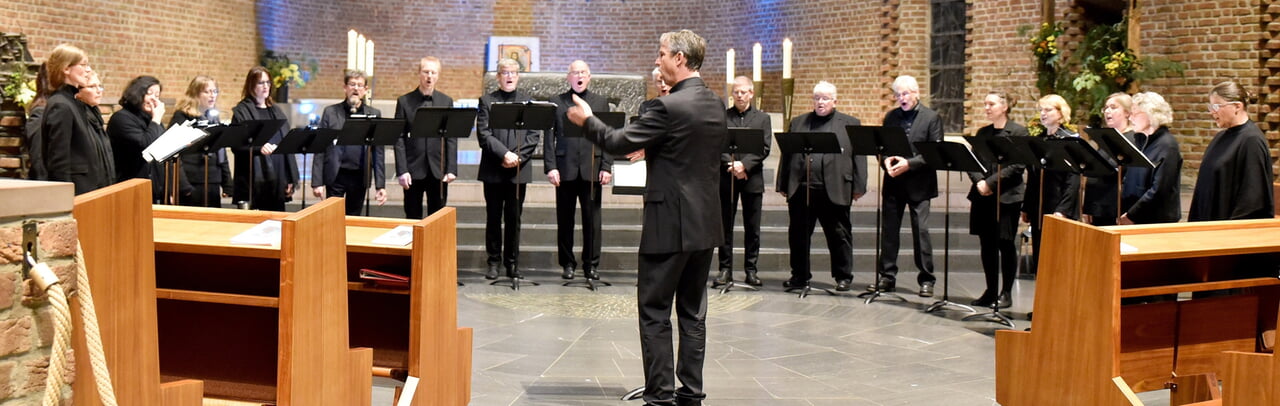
[264, 233]
[171, 142]
[399, 236]
[630, 175]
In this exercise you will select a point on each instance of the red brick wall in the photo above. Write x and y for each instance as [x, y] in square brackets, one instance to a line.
[26, 316]
[999, 59]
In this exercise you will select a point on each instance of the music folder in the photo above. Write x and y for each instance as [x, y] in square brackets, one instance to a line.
[261, 131]
[1001, 150]
[879, 141]
[1119, 147]
[949, 156]
[370, 131]
[530, 115]
[808, 142]
[440, 122]
[743, 140]
[1083, 158]
[307, 140]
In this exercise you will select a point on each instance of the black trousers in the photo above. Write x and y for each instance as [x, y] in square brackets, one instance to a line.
[893, 207]
[681, 277]
[836, 225]
[999, 260]
[200, 198]
[587, 195]
[751, 203]
[348, 185]
[437, 197]
[503, 208]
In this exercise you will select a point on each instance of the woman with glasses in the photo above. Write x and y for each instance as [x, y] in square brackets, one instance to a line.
[134, 128]
[75, 146]
[1235, 172]
[209, 175]
[1152, 195]
[274, 175]
[1050, 192]
[996, 199]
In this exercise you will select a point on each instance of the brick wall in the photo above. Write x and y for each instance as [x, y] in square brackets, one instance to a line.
[998, 59]
[26, 325]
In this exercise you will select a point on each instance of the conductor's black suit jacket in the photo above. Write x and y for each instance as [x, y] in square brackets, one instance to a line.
[682, 134]
[420, 155]
[842, 178]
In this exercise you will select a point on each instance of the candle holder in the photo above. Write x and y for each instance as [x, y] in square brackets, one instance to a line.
[728, 94]
[788, 90]
[759, 88]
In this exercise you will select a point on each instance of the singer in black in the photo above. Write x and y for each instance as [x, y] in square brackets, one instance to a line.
[742, 178]
[343, 171]
[207, 175]
[133, 129]
[578, 170]
[75, 146]
[274, 175]
[1100, 192]
[824, 194]
[996, 201]
[421, 166]
[1058, 194]
[682, 145]
[910, 185]
[504, 171]
[1235, 173]
[1152, 195]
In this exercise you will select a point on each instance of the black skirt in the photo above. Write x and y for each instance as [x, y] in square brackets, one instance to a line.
[983, 218]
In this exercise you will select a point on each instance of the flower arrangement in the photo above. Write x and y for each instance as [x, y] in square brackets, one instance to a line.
[20, 89]
[1044, 45]
[285, 72]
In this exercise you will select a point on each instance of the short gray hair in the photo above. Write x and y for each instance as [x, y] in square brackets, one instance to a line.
[905, 81]
[1158, 110]
[825, 87]
[688, 43]
[508, 63]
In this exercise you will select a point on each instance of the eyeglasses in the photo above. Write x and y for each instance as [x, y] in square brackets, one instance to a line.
[509, 73]
[1214, 107]
[823, 98]
[211, 91]
[263, 83]
[580, 73]
[356, 85]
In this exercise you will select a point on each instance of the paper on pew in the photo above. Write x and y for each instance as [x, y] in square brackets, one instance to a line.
[1127, 249]
[171, 142]
[399, 236]
[264, 233]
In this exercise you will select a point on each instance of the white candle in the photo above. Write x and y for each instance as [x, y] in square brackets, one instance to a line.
[786, 58]
[360, 45]
[368, 64]
[728, 63]
[351, 49]
[756, 52]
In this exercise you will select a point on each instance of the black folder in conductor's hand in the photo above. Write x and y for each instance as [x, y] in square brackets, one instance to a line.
[744, 141]
[1119, 147]
[808, 143]
[307, 140]
[879, 140]
[949, 156]
[370, 131]
[1083, 158]
[531, 115]
[441, 122]
[1002, 150]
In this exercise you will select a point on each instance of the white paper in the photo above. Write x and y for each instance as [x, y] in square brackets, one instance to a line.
[630, 175]
[264, 233]
[1127, 249]
[399, 236]
[410, 389]
[171, 142]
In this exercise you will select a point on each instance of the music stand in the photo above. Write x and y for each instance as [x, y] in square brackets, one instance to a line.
[256, 133]
[614, 119]
[1003, 151]
[443, 122]
[1085, 161]
[806, 143]
[946, 156]
[880, 142]
[211, 142]
[306, 140]
[521, 116]
[1125, 154]
[740, 141]
[369, 132]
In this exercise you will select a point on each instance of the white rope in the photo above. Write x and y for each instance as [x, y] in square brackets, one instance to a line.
[93, 338]
[56, 376]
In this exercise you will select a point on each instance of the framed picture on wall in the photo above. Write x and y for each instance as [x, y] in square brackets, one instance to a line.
[523, 49]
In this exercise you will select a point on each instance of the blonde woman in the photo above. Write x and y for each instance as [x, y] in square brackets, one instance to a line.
[1050, 192]
[209, 175]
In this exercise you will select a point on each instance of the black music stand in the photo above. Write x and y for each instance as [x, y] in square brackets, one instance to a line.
[1004, 152]
[880, 142]
[741, 141]
[307, 140]
[946, 156]
[1085, 161]
[211, 142]
[443, 122]
[1123, 152]
[806, 143]
[171, 162]
[614, 119]
[369, 132]
[256, 133]
[520, 116]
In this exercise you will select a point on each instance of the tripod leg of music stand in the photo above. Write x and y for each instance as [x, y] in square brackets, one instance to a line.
[634, 394]
[946, 256]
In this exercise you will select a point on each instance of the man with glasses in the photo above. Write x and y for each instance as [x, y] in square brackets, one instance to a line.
[343, 171]
[742, 177]
[504, 171]
[822, 189]
[578, 170]
[424, 163]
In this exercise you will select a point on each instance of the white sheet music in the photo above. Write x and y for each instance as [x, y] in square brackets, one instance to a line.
[630, 175]
[171, 142]
[399, 236]
[264, 233]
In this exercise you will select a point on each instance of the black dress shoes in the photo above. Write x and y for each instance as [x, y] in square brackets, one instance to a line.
[513, 273]
[843, 285]
[492, 273]
[1005, 301]
[885, 285]
[568, 273]
[723, 278]
[752, 279]
[987, 299]
[591, 274]
[926, 289]
[794, 284]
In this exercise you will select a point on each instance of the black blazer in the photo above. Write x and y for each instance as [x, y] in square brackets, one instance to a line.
[752, 163]
[573, 157]
[494, 144]
[325, 166]
[193, 164]
[271, 174]
[682, 146]
[1009, 178]
[76, 148]
[131, 132]
[34, 148]
[419, 155]
[1061, 189]
[843, 178]
[1152, 196]
[920, 182]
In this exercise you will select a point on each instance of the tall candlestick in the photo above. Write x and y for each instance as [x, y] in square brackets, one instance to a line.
[368, 62]
[728, 63]
[360, 45]
[756, 52]
[786, 58]
[351, 49]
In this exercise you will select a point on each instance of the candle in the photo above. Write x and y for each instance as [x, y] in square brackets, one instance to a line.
[786, 58]
[368, 64]
[728, 63]
[351, 49]
[360, 45]
[756, 52]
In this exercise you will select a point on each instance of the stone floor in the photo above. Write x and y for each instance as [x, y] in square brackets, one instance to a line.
[555, 345]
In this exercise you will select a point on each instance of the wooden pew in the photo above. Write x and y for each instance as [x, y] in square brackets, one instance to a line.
[114, 227]
[1084, 337]
[414, 329]
[258, 322]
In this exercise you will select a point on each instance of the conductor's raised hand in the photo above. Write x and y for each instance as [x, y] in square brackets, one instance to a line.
[579, 113]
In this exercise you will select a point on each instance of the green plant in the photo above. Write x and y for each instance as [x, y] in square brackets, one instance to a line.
[285, 72]
[1044, 45]
[20, 88]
